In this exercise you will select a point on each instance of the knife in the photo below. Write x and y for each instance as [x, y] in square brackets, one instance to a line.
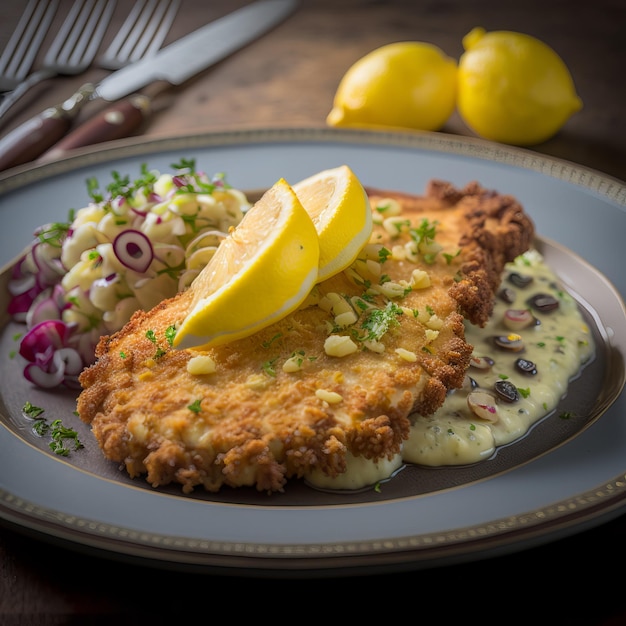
[173, 64]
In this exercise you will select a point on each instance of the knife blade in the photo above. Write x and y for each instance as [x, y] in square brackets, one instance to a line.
[174, 64]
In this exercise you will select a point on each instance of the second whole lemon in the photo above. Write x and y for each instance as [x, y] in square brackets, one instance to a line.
[408, 84]
[513, 88]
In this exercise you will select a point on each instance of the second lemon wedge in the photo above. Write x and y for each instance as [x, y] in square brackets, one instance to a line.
[341, 212]
[261, 272]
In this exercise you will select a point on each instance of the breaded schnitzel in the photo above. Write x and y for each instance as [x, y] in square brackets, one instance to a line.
[337, 378]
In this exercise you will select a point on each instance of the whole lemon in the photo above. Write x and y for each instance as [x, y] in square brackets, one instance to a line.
[404, 84]
[513, 88]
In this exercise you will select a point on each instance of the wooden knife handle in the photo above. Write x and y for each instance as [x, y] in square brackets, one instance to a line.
[26, 142]
[115, 122]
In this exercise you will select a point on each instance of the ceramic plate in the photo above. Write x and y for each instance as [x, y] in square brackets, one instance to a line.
[564, 476]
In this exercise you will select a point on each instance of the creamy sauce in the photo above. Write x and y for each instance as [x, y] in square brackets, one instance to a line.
[524, 358]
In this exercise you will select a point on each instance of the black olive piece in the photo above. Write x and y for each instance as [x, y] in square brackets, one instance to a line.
[506, 294]
[519, 280]
[544, 302]
[506, 390]
[525, 366]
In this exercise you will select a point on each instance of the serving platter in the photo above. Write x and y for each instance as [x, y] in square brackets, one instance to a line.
[563, 477]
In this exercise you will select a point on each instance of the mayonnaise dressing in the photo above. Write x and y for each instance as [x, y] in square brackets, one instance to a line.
[524, 358]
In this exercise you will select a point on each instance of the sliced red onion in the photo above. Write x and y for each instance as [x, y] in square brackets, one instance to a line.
[21, 285]
[48, 305]
[50, 270]
[140, 212]
[44, 308]
[36, 375]
[43, 338]
[64, 367]
[169, 254]
[134, 250]
[52, 361]
[19, 306]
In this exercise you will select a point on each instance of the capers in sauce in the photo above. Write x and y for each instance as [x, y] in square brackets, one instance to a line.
[506, 294]
[543, 302]
[525, 366]
[506, 390]
[520, 280]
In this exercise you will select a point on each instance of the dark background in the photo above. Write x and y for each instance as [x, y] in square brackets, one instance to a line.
[289, 78]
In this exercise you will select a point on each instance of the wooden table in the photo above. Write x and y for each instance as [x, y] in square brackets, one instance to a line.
[288, 78]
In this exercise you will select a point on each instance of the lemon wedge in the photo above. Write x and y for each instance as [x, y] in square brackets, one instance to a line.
[260, 273]
[340, 210]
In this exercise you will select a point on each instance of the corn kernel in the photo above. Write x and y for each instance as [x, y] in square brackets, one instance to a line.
[395, 225]
[346, 319]
[293, 364]
[406, 355]
[339, 345]
[257, 381]
[201, 364]
[420, 279]
[393, 290]
[328, 396]
[435, 322]
[411, 252]
[398, 253]
[374, 346]
[431, 335]
[342, 306]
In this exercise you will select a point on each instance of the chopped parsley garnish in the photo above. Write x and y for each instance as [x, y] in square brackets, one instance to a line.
[267, 344]
[383, 255]
[268, 367]
[195, 406]
[32, 411]
[151, 336]
[170, 333]
[61, 435]
[54, 234]
[449, 257]
[378, 321]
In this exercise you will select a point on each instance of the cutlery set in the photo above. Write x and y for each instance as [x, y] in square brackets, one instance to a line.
[136, 52]
[73, 49]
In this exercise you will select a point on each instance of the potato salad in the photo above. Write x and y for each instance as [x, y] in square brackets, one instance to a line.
[135, 244]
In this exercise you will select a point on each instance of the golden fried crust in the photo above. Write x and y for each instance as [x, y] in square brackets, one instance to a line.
[491, 229]
[252, 423]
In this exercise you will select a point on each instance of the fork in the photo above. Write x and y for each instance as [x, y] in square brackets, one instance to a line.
[141, 34]
[18, 56]
[72, 50]
[144, 30]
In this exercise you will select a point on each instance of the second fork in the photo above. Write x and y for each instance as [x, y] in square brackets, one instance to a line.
[72, 50]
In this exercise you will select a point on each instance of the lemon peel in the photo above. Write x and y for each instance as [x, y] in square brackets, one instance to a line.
[513, 88]
[410, 84]
[341, 212]
[260, 273]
